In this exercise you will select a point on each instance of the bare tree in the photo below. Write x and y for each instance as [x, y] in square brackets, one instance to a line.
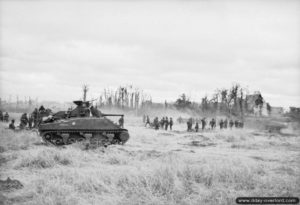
[205, 104]
[85, 88]
[224, 95]
[124, 97]
[232, 98]
[137, 98]
[241, 100]
[259, 103]
[215, 100]
[30, 101]
[131, 100]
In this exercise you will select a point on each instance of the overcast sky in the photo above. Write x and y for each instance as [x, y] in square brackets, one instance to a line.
[49, 49]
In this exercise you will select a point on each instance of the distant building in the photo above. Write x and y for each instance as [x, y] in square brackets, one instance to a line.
[256, 104]
[277, 111]
[294, 112]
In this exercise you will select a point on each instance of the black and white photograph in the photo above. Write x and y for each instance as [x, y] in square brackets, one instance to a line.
[139, 102]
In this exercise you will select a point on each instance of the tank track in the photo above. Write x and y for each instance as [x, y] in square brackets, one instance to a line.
[56, 138]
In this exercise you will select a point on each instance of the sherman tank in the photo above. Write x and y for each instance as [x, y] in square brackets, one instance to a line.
[84, 123]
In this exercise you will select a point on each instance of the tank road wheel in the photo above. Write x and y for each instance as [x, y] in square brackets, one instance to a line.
[75, 138]
[47, 137]
[124, 136]
[99, 140]
[57, 140]
[80, 139]
[71, 140]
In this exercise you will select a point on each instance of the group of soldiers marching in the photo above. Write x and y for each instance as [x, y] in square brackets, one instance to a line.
[212, 124]
[164, 123]
[193, 124]
[4, 117]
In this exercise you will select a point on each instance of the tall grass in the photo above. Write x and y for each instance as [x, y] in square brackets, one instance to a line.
[16, 140]
[175, 183]
[46, 158]
[151, 173]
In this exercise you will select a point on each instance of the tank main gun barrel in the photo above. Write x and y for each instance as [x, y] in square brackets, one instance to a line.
[104, 115]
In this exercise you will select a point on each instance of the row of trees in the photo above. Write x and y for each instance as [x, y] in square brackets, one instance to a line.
[232, 101]
[19, 102]
[18, 105]
[124, 97]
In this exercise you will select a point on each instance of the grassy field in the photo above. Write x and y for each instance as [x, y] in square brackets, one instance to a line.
[154, 167]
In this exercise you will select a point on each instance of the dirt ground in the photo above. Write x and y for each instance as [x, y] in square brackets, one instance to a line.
[153, 167]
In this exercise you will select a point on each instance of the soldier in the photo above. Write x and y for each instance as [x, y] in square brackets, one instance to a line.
[156, 123]
[171, 123]
[1, 116]
[83, 110]
[236, 123]
[6, 117]
[166, 123]
[212, 123]
[23, 121]
[197, 127]
[35, 117]
[42, 109]
[221, 123]
[12, 125]
[30, 121]
[147, 121]
[189, 124]
[231, 123]
[93, 110]
[225, 123]
[162, 122]
[203, 123]
[121, 122]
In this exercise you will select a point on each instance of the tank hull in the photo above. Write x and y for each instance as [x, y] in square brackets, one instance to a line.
[92, 129]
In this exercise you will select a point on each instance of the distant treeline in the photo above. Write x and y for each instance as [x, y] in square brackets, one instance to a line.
[233, 101]
[18, 105]
[124, 97]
